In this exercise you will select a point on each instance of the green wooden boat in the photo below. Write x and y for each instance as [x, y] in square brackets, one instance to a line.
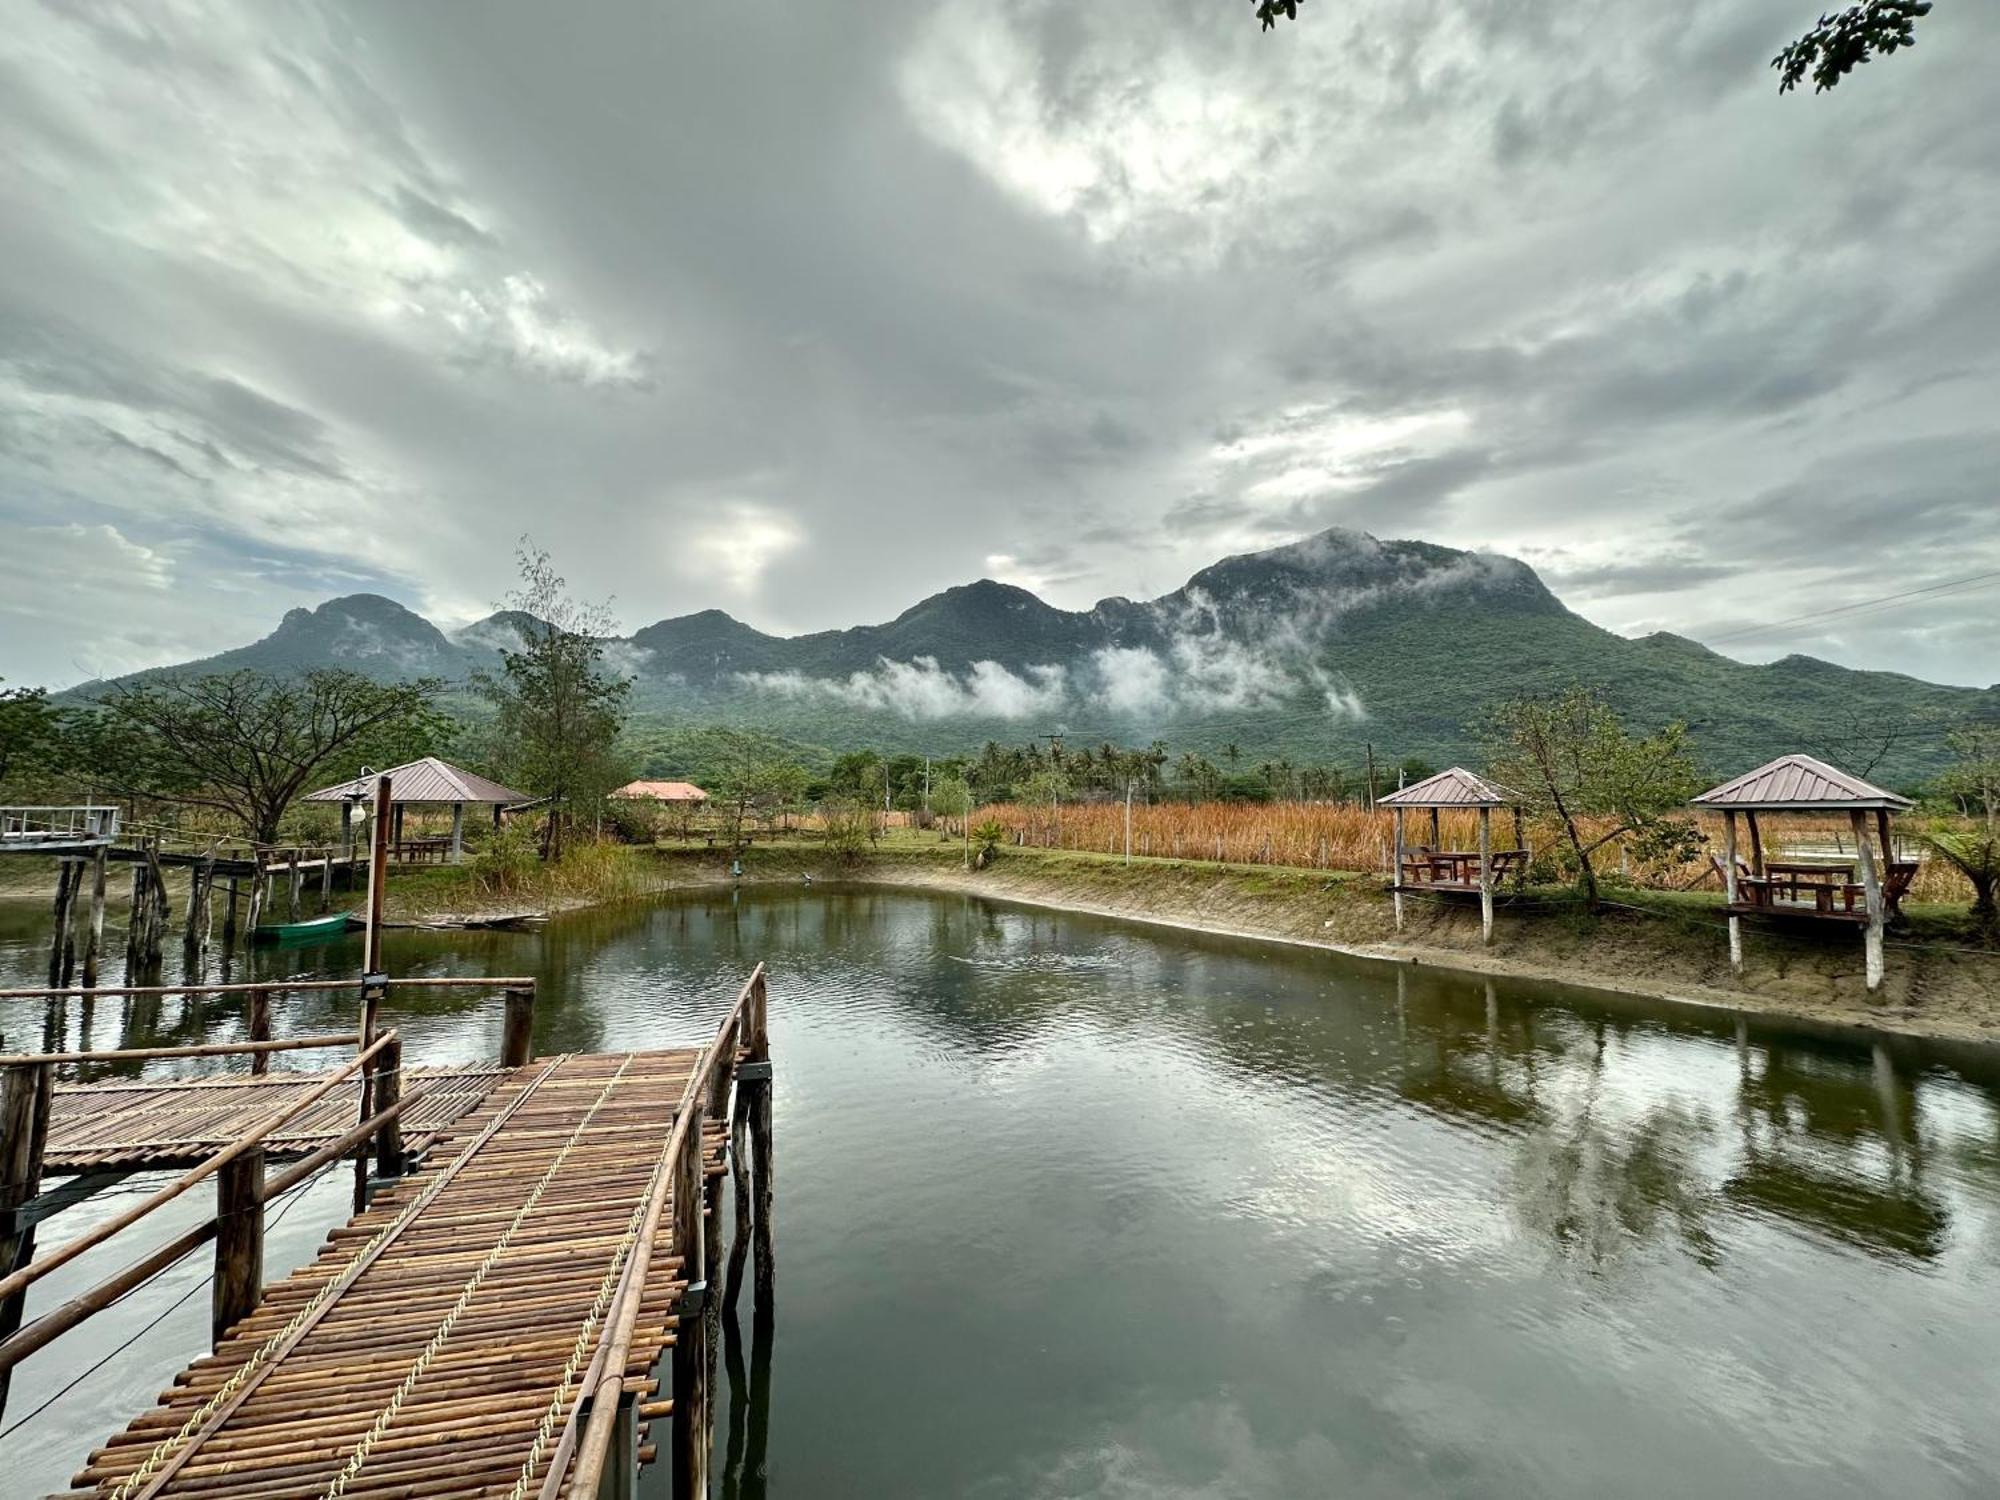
[315, 930]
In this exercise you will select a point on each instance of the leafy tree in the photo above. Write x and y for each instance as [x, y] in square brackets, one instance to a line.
[29, 731]
[247, 745]
[1571, 757]
[1842, 41]
[558, 710]
[1975, 779]
[951, 796]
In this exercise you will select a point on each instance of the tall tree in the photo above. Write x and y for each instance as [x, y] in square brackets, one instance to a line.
[1974, 779]
[558, 709]
[28, 730]
[1571, 757]
[246, 744]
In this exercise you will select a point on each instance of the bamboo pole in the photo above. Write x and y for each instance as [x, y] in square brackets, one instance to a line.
[517, 1037]
[195, 1049]
[260, 1029]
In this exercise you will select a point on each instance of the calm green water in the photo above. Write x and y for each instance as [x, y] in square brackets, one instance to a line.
[1072, 1208]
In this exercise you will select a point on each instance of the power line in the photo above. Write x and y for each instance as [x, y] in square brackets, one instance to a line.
[1976, 580]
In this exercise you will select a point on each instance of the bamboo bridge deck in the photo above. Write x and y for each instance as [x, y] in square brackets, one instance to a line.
[438, 1345]
[135, 1126]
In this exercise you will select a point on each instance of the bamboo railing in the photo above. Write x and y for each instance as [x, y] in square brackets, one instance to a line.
[677, 1174]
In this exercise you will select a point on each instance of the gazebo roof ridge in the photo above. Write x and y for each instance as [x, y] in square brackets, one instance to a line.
[426, 780]
[1800, 783]
[1454, 787]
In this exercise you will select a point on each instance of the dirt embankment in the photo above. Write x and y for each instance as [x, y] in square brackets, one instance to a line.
[1669, 948]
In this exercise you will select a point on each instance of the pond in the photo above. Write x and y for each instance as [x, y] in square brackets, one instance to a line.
[1068, 1207]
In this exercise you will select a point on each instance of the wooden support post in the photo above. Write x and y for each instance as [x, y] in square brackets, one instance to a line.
[25, 1093]
[389, 1159]
[135, 919]
[1888, 851]
[1871, 890]
[347, 826]
[378, 878]
[458, 833]
[326, 880]
[517, 1035]
[69, 875]
[260, 894]
[93, 943]
[1486, 874]
[764, 1251]
[1756, 845]
[1437, 838]
[1396, 879]
[1729, 891]
[260, 1028]
[690, 1353]
[298, 881]
[239, 1243]
[229, 919]
[1521, 844]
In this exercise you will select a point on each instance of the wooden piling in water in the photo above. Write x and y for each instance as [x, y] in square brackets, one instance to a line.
[26, 1090]
[239, 1243]
[94, 938]
[389, 1156]
[690, 1356]
[758, 1047]
[517, 1036]
[260, 1028]
[229, 919]
[68, 878]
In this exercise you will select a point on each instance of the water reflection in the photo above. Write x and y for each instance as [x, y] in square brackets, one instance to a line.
[1071, 1207]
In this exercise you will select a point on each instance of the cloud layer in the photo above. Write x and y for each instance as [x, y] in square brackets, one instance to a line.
[800, 313]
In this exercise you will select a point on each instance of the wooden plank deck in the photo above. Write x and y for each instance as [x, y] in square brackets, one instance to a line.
[178, 1123]
[439, 1341]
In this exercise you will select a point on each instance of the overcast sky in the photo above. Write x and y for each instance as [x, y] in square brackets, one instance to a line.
[805, 311]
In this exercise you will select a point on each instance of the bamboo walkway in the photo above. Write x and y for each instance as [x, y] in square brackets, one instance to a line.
[441, 1343]
[177, 1123]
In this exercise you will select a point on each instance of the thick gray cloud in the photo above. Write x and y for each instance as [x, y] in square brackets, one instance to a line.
[802, 312]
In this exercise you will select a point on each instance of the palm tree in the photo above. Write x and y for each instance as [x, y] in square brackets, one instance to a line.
[1976, 856]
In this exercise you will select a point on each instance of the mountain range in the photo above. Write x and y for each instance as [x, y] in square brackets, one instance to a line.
[1315, 650]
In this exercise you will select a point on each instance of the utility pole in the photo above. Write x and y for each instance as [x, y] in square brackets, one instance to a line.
[927, 784]
[1371, 777]
[1128, 820]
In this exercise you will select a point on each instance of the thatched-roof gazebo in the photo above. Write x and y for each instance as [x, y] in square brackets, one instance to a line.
[429, 782]
[1428, 867]
[1822, 889]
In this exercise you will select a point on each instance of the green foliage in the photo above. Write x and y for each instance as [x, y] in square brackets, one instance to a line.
[557, 711]
[850, 826]
[29, 733]
[1840, 42]
[510, 863]
[1973, 781]
[244, 744]
[951, 796]
[1977, 857]
[1569, 756]
[988, 836]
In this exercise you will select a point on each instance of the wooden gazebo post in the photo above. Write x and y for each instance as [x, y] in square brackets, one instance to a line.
[1729, 891]
[1396, 879]
[1871, 895]
[1485, 874]
[458, 833]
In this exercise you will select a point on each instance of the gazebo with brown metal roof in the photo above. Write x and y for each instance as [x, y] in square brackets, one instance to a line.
[429, 782]
[1819, 889]
[1430, 868]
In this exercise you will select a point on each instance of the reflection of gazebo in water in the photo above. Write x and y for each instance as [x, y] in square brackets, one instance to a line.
[1822, 888]
[1431, 867]
[429, 782]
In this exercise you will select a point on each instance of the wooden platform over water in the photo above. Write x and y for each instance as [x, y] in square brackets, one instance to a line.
[440, 1345]
[176, 1123]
